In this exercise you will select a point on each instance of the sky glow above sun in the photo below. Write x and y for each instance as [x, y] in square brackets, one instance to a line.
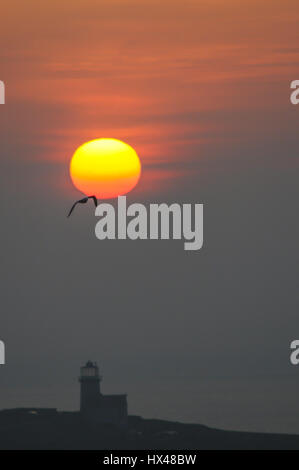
[106, 168]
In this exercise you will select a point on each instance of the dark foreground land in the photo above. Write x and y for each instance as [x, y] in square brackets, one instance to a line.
[48, 429]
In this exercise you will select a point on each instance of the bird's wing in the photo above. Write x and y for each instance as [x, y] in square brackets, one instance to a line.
[72, 208]
[94, 200]
[77, 202]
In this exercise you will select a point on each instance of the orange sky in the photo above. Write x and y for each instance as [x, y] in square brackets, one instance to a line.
[178, 80]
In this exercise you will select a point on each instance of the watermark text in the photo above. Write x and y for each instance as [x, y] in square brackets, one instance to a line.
[295, 94]
[158, 221]
[2, 353]
[2, 92]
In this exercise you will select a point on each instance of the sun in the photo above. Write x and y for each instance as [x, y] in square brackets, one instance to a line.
[105, 168]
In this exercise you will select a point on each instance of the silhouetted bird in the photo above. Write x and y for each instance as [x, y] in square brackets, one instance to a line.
[83, 201]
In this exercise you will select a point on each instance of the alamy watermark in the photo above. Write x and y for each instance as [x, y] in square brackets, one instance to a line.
[295, 94]
[294, 357]
[159, 221]
[2, 92]
[2, 353]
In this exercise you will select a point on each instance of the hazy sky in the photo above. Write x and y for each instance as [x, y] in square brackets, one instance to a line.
[201, 90]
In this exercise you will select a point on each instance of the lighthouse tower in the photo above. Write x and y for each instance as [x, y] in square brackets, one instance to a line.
[97, 407]
[90, 387]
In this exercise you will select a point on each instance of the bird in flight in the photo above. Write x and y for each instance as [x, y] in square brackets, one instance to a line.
[83, 201]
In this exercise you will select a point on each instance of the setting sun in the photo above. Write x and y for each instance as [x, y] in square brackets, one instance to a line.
[106, 168]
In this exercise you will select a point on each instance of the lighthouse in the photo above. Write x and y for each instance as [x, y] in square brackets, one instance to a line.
[90, 386]
[106, 409]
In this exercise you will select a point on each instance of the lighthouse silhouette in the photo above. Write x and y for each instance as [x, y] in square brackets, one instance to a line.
[106, 409]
